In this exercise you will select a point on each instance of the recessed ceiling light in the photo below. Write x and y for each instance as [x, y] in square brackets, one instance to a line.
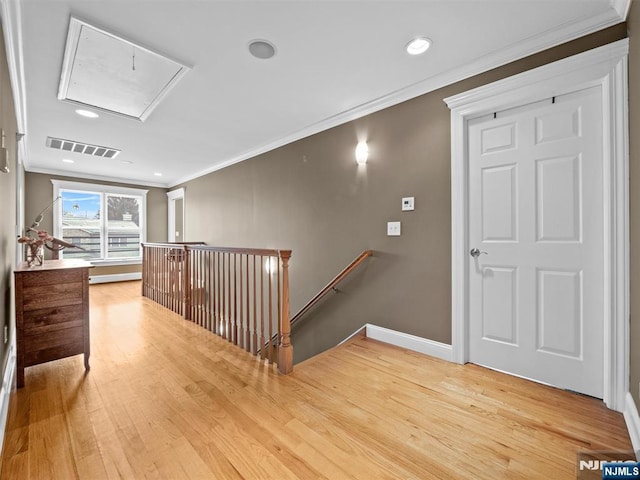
[87, 113]
[68, 160]
[262, 49]
[158, 174]
[418, 45]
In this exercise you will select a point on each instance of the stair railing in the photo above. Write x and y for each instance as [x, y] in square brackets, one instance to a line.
[331, 286]
[240, 294]
[163, 270]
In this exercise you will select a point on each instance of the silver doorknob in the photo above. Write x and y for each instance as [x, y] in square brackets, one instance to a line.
[475, 253]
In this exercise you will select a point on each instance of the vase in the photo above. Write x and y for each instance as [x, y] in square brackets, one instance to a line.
[35, 255]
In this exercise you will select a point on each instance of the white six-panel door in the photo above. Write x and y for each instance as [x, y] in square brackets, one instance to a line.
[536, 209]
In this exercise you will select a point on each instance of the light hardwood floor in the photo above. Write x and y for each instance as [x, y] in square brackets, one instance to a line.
[166, 399]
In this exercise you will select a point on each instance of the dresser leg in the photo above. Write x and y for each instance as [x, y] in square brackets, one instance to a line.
[86, 362]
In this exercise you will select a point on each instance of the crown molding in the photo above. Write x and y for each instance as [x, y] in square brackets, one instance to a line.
[622, 7]
[543, 41]
[101, 178]
[10, 11]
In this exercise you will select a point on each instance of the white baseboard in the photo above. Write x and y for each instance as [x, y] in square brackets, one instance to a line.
[364, 327]
[632, 419]
[5, 390]
[115, 277]
[410, 342]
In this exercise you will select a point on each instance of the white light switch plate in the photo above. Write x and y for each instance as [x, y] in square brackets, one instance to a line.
[407, 204]
[393, 229]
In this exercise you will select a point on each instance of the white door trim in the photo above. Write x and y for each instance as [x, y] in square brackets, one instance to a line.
[172, 196]
[604, 66]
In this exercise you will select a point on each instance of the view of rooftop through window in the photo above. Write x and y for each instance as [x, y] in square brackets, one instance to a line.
[114, 236]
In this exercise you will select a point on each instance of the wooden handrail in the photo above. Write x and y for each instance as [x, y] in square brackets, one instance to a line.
[171, 244]
[265, 252]
[332, 284]
[240, 294]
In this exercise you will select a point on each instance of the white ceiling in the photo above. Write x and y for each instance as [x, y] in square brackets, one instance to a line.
[335, 61]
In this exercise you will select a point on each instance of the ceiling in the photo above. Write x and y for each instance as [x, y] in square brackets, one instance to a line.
[335, 61]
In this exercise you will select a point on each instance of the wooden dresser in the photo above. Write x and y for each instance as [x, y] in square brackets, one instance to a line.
[52, 312]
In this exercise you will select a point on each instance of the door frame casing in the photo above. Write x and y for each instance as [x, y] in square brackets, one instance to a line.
[172, 196]
[606, 67]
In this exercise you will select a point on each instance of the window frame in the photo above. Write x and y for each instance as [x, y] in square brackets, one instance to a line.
[103, 190]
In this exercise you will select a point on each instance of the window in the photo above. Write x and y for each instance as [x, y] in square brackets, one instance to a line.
[106, 222]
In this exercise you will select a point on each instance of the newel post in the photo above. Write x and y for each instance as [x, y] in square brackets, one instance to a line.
[285, 349]
[145, 275]
[186, 283]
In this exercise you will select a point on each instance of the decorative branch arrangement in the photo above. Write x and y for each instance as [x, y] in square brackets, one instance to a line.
[35, 241]
[35, 244]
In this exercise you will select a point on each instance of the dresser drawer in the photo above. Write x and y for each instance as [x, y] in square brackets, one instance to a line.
[37, 298]
[54, 345]
[53, 277]
[46, 320]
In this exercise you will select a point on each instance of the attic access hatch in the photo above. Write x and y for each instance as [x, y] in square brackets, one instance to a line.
[110, 73]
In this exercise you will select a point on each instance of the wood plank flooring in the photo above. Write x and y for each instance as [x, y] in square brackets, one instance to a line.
[165, 399]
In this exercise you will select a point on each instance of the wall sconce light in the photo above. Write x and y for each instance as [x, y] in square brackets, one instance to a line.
[362, 153]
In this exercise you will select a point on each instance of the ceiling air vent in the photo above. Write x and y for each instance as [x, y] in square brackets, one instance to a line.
[78, 147]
